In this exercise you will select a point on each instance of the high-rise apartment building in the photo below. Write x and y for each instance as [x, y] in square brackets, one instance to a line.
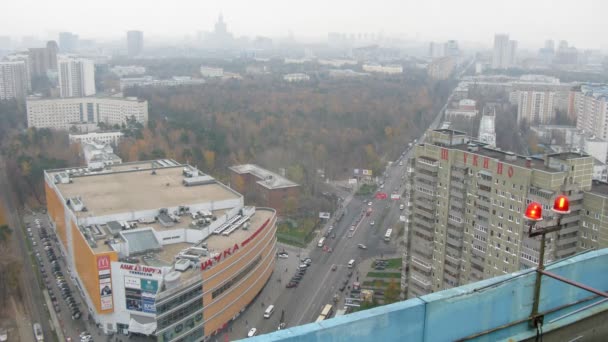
[43, 59]
[442, 68]
[68, 42]
[504, 52]
[135, 43]
[14, 80]
[535, 106]
[76, 77]
[68, 112]
[466, 205]
[589, 105]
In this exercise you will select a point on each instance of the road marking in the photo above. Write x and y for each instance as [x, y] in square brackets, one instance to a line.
[314, 296]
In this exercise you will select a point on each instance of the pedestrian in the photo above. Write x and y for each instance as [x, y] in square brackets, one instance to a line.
[262, 304]
[285, 269]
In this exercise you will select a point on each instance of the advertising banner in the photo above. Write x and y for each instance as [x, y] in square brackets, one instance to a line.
[140, 294]
[352, 181]
[395, 196]
[132, 283]
[324, 215]
[105, 282]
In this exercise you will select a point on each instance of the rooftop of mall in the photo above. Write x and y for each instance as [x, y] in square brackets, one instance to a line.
[155, 212]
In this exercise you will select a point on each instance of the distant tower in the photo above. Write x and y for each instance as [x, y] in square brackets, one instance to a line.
[220, 26]
[135, 43]
[76, 77]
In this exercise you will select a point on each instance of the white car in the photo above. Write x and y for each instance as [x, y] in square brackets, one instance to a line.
[3, 335]
[370, 203]
[372, 223]
[382, 186]
[252, 332]
[352, 228]
[283, 255]
[362, 246]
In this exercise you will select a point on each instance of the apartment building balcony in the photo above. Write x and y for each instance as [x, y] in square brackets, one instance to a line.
[423, 264]
[570, 218]
[427, 194]
[423, 233]
[482, 213]
[484, 191]
[424, 202]
[422, 254]
[451, 276]
[484, 181]
[424, 178]
[576, 196]
[475, 275]
[457, 243]
[429, 214]
[458, 184]
[423, 220]
[429, 162]
[422, 241]
[567, 240]
[566, 251]
[476, 260]
[477, 252]
[455, 234]
[417, 269]
[453, 251]
[425, 283]
[458, 194]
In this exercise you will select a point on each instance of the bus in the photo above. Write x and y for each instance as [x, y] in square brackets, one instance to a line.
[269, 311]
[325, 313]
[38, 332]
[387, 236]
[321, 242]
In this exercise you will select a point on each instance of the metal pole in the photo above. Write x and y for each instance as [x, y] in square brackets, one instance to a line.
[541, 266]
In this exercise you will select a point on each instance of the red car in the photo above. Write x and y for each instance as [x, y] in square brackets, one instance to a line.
[291, 284]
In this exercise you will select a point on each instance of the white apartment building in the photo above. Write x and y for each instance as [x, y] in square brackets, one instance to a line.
[503, 56]
[97, 137]
[590, 106]
[487, 131]
[76, 77]
[126, 70]
[14, 80]
[207, 71]
[65, 113]
[390, 69]
[535, 106]
[297, 77]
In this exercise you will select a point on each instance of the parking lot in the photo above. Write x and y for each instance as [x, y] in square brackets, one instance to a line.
[65, 299]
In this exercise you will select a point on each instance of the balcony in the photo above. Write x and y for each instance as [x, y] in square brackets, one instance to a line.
[571, 218]
[452, 258]
[484, 191]
[428, 254]
[424, 282]
[451, 276]
[568, 240]
[479, 262]
[427, 162]
[478, 253]
[458, 194]
[454, 242]
[425, 204]
[421, 263]
[430, 215]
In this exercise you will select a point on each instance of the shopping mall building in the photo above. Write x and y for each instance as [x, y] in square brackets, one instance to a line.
[159, 248]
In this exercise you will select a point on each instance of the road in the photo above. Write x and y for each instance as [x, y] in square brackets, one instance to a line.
[32, 297]
[303, 304]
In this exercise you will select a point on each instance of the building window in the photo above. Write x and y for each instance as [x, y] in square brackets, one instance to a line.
[236, 278]
[593, 237]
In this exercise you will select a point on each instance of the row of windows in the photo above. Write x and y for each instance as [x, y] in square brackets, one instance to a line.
[179, 300]
[181, 313]
[236, 278]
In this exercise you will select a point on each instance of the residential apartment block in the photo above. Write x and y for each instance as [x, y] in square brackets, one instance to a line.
[590, 106]
[76, 77]
[65, 113]
[14, 80]
[466, 205]
[535, 106]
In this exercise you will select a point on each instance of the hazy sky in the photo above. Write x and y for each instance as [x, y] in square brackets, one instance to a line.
[581, 22]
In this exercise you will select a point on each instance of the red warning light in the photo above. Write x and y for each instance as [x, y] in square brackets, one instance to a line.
[561, 205]
[534, 211]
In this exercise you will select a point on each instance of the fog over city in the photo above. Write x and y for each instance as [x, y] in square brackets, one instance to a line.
[531, 22]
[303, 171]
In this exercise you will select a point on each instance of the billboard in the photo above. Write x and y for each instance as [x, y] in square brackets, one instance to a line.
[324, 215]
[352, 181]
[366, 172]
[105, 282]
[140, 294]
[395, 196]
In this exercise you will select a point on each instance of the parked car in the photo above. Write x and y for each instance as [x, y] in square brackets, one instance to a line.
[252, 332]
[291, 284]
[362, 246]
[283, 255]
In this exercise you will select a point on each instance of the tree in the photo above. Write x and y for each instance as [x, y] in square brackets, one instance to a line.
[5, 234]
[391, 294]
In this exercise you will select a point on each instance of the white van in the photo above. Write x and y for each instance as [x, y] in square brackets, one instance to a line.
[269, 311]
[351, 263]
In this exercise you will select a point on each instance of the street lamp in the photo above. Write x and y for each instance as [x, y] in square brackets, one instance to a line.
[534, 214]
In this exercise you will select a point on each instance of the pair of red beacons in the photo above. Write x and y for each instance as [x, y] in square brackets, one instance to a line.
[534, 211]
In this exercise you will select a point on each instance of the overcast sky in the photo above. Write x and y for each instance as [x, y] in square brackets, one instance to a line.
[582, 22]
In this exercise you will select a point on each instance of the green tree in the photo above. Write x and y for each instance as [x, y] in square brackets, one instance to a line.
[5, 234]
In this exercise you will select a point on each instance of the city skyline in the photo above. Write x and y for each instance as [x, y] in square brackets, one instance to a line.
[431, 20]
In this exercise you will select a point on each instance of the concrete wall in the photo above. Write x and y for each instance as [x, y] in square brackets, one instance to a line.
[467, 310]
